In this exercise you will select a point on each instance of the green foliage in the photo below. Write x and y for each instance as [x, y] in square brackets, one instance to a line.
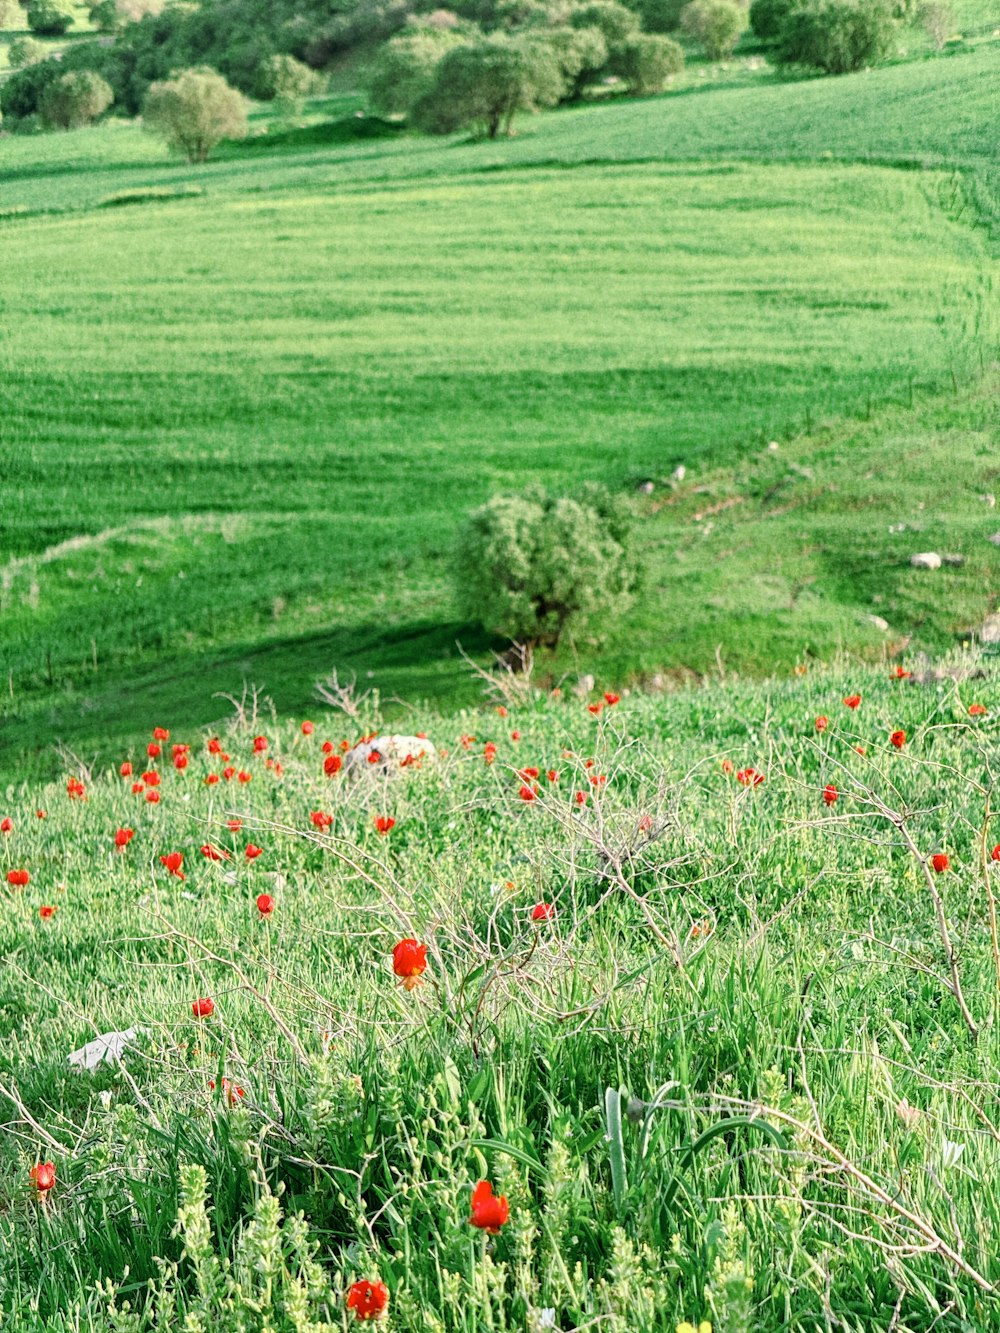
[534, 566]
[405, 68]
[24, 51]
[938, 21]
[485, 83]
[195, 111]
[285, 80]
[614, 20]
[50, 18]
[836, 36]
[767, 17]
[715, 24]
[645, 62]
[660, 15]
[75, 99]
[581, 54]
[113, 15]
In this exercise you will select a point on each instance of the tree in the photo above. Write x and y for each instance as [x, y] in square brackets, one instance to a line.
[581, 53]
[660, 15]
[285, 81]
[715, 24]
[645, 62]
[194, 111]
[405, 68]
[24, 51]
[112, 15]
[533, 566]
[836, 36]
[938, 21]
[75, 99]
[615, 21]
[50, 18]
[485, 83]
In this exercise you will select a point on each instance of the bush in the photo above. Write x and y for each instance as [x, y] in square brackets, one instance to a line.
[645, 62]
[615, 21]
[715, 24]
[50, 18]
[660, 15]
[767, 17]
[533, 566]
[25, 51]
[195, 111]
[938, 21]
[485, 83]
[112, 15]
[580, 53]
[75, 99]
[404, 70]
[286, 81]
[836, 36]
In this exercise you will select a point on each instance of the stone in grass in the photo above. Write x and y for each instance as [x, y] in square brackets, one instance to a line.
[955, 561]
[926, 560]
[878, 622]
[386, 754]
[108, 1047]
[995, 539]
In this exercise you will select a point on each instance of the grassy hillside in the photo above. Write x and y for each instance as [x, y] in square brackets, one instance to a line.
[725, 1076]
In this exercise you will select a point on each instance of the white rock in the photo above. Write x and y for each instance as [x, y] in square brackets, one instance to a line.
[878, 622]
[393, 752]
[926, 560]
[679, 473]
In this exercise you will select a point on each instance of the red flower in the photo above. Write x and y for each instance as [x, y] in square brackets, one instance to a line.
[180, 762]
[822, 723]
[123, 837]
[161, 734]
[830, 794]
[126, 769]
[211, 779]
[528, 793]
[409, 962]
[489, 752]
[940, 862]
[321, 820]
[179, 748]
[215, 746]
[229, 773]
[995, 854]
[43, 1177]
[252, 851]
[137, 787]
[900, 673]
[749, 777]
[515, 735]
[265, 904]
[41, 814]
[384, 823]
[542, 912]
[46, 913]
[580, 798]
[552, 775]
[978, 710]
[368, 1300]
[598, 780]
[259, 744]
[152, 778]
[153, 750]
[153, 796]
[6, 826]
[466, 741]
[501, 711]
[527, 774]
[203, 1008]
[594, 708]
[307, 728]
[852, 701]
[230, 1091]
[243, 776]
[18, 879]
[75, 789]
[860, 749]
[234, 825]
[173, 861]
[212, 853]
[898, 739]
[489, 1211]
[727, 766]
[611, 699]
[332, 764]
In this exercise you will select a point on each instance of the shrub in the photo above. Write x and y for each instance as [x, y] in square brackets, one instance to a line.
[50, 18]
[194, 111]
[660, 15]
[404, 70]
[645, 62]
[938, 21]
[24, 51]
[616, 22]
[75, 99]
[112, 15]
[836, 36]
[715, 24]
[767, 17]
[580, 53]
[485, 83]
[533, 566]
[286, 81]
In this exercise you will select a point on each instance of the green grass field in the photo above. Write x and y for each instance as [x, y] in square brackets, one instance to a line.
[725, 1077]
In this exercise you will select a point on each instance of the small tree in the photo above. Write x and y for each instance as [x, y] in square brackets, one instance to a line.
[50, 18]
[938, 21]
[715, 24]
[75, 99]
[615, 21]
[25, 51]
[532, 566]
[581, 54]
[485, 84]
[113, 15]
[286, 82]
[194, 111]
[405, 68]
[837, 36]
[645, 62]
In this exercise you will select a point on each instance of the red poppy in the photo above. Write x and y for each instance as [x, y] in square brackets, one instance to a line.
[152, 778]
[153, 796]
[180, 762]
[173, 862]
[611, 699]
[6, 825]
[489, 752]
[852, 701]
[749, 777]
[308, 728]
[727, 766]
[830, 794]
[898, 739]
[528, 793]
[527, 774]
[332, 764]
[822, 723]
[489, 1211]
[978, 710]
[265, 904]
[234, 825]
[368, 1300]
[466, 741]
[231, 1091]
[940, 862]
[211, 779]
[252, 851]
[515, 735]
[43, 1177]
[211, 853]
[18, 879]
[126, 769]
[123, 837]
[203, 1008]
[75, 789]
[594, 708]
[501, 711]
[860, 749]
[409, 962]
[46, 913]
[137, 787]
[384, 823]
[900, 673]
[345, 746]
[41, 814]
[161, 734]
[542, 912]
[243, 776]
[153, 750]
[995, 854]
[580, 798]
[327, 747]
[552, 775]
[179, 748]
[646, 824]
[215, 746]
[229, 773]
[588, 763]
